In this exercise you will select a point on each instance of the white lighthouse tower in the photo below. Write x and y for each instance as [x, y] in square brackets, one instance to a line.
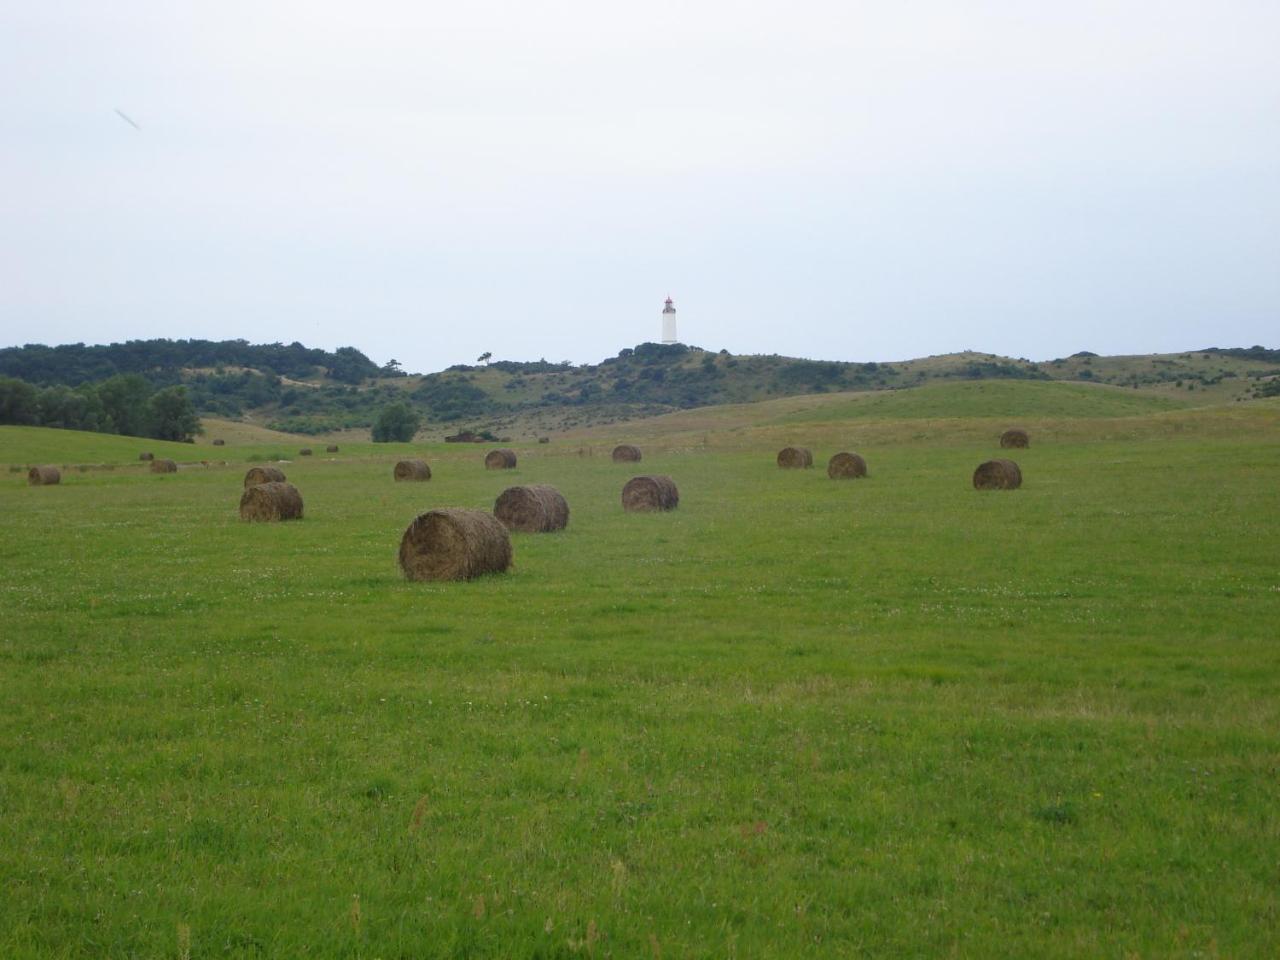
[669, 322]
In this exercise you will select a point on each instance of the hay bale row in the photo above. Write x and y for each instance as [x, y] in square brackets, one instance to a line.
[257, 475]
[648, 493]
[1015, 440]
[626, 453]
[997, 475]
[45, 476]
[536, 508]
[271, 502]
[846, 466]
[795, 458]
[412, 470]
[501, 459]
[163, 466]
[453, 544]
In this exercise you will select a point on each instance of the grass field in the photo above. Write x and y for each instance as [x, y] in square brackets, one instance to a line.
[795, 717]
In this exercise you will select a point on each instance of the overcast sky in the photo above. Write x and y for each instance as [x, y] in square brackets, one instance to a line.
[845, 180]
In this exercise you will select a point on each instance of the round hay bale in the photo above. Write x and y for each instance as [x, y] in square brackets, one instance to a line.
[536, 508]
[163, 466]
[846, 466]
[1015, 439]
[304, 452]
[219, 442]
[269, 502]
[501, 459]
[44, 476]
[257, 475]
[997, 475]
[795, 458]
[650, 493]
[626, 453]
[412, 470]
[331, 448]
[544, 439]
[146, 456]
[454, 544]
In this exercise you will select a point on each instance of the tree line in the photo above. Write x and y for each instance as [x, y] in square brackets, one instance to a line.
[126, 404]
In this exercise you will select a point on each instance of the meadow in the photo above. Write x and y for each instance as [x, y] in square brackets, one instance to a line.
[794, 717]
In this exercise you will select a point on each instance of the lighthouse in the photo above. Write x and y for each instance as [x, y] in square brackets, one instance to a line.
[669, 322]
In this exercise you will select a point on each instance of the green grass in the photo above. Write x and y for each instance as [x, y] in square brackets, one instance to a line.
[891, 717]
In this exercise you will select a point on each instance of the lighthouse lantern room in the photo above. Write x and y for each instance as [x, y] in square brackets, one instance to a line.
[669, 322]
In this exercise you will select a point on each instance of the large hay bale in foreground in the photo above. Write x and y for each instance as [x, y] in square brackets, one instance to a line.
[536, 508]
[795, 458]
[412, 470]
[646, 493]
[163, 466]
[846, 466]
[997, 475]
[44, 476]
[1015, 439]
[257, 475]
[501, 459]
[626, 453]
[219, 442]
[269, 502]
[331, 448]
[146, 456]
[453, 544]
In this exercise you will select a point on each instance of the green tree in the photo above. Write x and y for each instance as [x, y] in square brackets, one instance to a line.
[125, 401]
[19, 402]
[396, 423]
[171, 415]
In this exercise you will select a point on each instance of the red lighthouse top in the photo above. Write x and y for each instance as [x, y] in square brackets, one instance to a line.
[670, 306]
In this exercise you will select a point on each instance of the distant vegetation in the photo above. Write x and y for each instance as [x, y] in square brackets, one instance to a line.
[301, 390]
[125, 404]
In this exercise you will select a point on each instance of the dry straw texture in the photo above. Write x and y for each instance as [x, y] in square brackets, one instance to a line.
[997, 475]
[846, 466]
[500, 460]
[412, 470]
[331, 448]
[268, 502]
[536, 508]
[43, 476]
[454, 545]
[650, 493]
[163, 466]
[626, 453]
[257, 475]
[795, 458]
[1015, 439]
[146, 456]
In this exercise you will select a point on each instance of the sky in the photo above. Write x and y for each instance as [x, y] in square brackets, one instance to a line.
[845, 180]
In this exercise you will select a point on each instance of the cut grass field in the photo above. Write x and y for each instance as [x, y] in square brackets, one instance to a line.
[794, 717]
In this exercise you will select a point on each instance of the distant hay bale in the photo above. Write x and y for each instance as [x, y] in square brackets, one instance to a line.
[269, 502]
[846, 466]
[795, 458]
[544, 439]
[501, 459]
[257, 475]
[1016, 439]
[647, 493]
[44, 476]
[163, 466]
[536, 508]
[453, 544]
[997, 475]
[626, 453]
[304, 452]
[219, 442]
[146, 456]
[412, 470]
[331, 448]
